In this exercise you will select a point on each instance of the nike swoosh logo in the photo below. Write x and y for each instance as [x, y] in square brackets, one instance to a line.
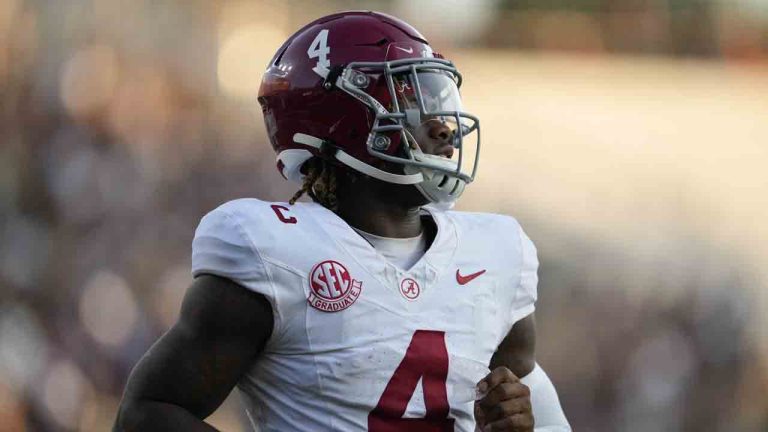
[409, 50]
[463, 280]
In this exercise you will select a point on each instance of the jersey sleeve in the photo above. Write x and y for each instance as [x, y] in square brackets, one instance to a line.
[221, 248]
[526, 293]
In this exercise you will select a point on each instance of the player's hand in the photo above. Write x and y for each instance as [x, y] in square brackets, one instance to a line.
[505, 403]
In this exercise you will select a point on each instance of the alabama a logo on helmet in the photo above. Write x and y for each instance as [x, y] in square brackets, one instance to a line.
[331, 287]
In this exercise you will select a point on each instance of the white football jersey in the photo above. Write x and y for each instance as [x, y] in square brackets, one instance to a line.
[359, 344]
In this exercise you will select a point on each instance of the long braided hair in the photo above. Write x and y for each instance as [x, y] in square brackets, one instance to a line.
[320, 183]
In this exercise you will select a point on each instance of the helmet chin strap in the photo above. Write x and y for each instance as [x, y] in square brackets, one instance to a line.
[358, 165]
[439, 188]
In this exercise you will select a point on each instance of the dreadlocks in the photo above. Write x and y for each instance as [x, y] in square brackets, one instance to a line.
[319, 183]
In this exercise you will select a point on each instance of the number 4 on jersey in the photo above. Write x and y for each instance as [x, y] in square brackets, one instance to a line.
[427, 359]
[319, 48]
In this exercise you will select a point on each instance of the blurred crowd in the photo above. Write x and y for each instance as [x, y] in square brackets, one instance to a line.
[628, 356]
[122, 123]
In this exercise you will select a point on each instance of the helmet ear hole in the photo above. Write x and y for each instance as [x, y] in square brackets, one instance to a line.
[443, 181]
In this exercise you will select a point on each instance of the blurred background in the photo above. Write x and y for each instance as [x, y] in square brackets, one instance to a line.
[630, 138]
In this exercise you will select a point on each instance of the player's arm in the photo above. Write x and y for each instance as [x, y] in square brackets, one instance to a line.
[519, 392]
[517, 351]
[191, 369]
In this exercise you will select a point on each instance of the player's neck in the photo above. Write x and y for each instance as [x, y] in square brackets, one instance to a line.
[381, 218]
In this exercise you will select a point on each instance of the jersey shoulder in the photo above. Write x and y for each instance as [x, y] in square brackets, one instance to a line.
[483, 226]
[482, 217]
[249, 228]
[253, 210]
[502, 231]
[222, 247]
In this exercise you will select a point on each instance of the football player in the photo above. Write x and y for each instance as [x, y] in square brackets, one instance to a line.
[373, 307]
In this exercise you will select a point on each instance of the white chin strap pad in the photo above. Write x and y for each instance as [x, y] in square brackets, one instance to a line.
[439, 188]
[360, 166]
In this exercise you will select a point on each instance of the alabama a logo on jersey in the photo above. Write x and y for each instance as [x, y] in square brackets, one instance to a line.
[331, 287]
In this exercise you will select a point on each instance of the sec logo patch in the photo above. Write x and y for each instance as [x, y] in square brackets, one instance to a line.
[331, 287]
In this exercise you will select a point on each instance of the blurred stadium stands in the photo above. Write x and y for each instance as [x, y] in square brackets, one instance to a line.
[629, 136]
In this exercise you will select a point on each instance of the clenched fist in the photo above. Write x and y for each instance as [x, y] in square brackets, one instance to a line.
[505, 403]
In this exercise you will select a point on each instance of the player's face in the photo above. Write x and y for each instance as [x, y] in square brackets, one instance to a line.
[425, 94]
[435, 136]
[432, 105]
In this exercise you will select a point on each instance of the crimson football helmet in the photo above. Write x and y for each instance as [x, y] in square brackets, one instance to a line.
[350, 87]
